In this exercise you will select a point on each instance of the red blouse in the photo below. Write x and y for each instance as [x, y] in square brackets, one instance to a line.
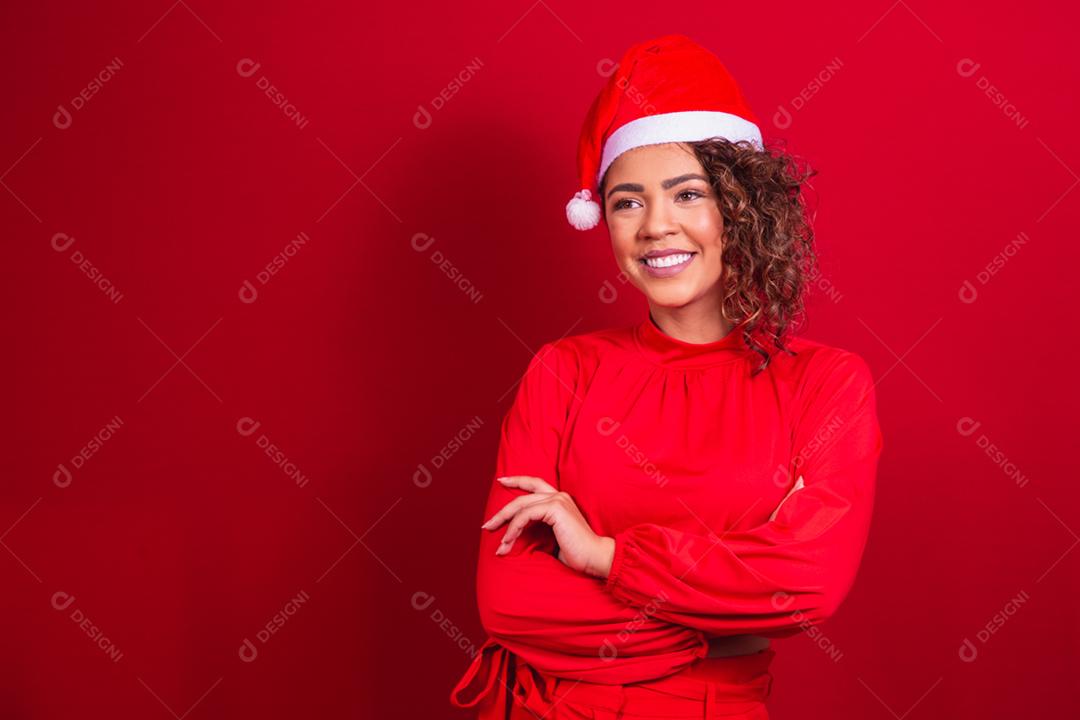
[738, 504]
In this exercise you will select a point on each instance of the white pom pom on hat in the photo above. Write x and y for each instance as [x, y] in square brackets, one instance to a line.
[647, 101]
[583, 212]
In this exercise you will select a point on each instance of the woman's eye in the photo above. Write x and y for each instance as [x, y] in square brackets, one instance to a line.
[694, 194]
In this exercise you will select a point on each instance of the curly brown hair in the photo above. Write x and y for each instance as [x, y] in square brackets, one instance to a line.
[768, 253]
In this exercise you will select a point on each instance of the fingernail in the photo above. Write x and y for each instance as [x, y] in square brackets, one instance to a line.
[502, 479]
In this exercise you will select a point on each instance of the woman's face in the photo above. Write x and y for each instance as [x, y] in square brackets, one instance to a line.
[658, 198]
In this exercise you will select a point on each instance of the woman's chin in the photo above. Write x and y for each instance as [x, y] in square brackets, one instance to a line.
[670, 297]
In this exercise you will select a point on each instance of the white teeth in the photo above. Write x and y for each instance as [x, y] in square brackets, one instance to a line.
[668, 260]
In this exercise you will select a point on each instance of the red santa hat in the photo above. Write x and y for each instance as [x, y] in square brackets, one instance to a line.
[669, 89]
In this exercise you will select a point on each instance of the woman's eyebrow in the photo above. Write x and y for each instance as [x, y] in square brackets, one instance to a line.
[672, 182]
[666, 184]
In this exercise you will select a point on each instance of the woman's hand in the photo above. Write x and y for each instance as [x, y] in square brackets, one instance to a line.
[579, 547]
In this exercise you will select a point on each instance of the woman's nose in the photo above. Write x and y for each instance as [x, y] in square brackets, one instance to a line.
[657, 221]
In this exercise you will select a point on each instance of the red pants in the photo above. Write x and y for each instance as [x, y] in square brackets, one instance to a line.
[734, 688]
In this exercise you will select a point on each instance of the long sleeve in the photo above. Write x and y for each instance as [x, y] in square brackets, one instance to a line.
[557, 619]
[793, 571]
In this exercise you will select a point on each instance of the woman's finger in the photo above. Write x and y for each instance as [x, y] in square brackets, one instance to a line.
[524, 516]
[527, 482]
[505, 513]
[510, 509]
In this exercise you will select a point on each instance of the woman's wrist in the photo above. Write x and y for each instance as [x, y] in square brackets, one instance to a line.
[605, 556]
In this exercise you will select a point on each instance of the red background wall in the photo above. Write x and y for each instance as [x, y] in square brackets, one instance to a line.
[363, 355]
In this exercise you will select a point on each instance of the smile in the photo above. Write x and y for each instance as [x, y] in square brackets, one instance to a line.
[668, 265]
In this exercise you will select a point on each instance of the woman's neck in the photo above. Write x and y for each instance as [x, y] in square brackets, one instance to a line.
[692, 324]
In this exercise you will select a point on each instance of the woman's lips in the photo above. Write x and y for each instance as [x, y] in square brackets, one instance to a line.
[669, 271]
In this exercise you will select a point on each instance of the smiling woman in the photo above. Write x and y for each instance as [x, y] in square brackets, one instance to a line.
[671, 495]
[746, 245]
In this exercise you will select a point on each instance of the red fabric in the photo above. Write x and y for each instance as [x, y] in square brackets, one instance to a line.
[675, 450]
[650, 79]
[733, 688]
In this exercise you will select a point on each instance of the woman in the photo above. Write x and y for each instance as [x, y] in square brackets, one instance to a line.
[671, 495]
